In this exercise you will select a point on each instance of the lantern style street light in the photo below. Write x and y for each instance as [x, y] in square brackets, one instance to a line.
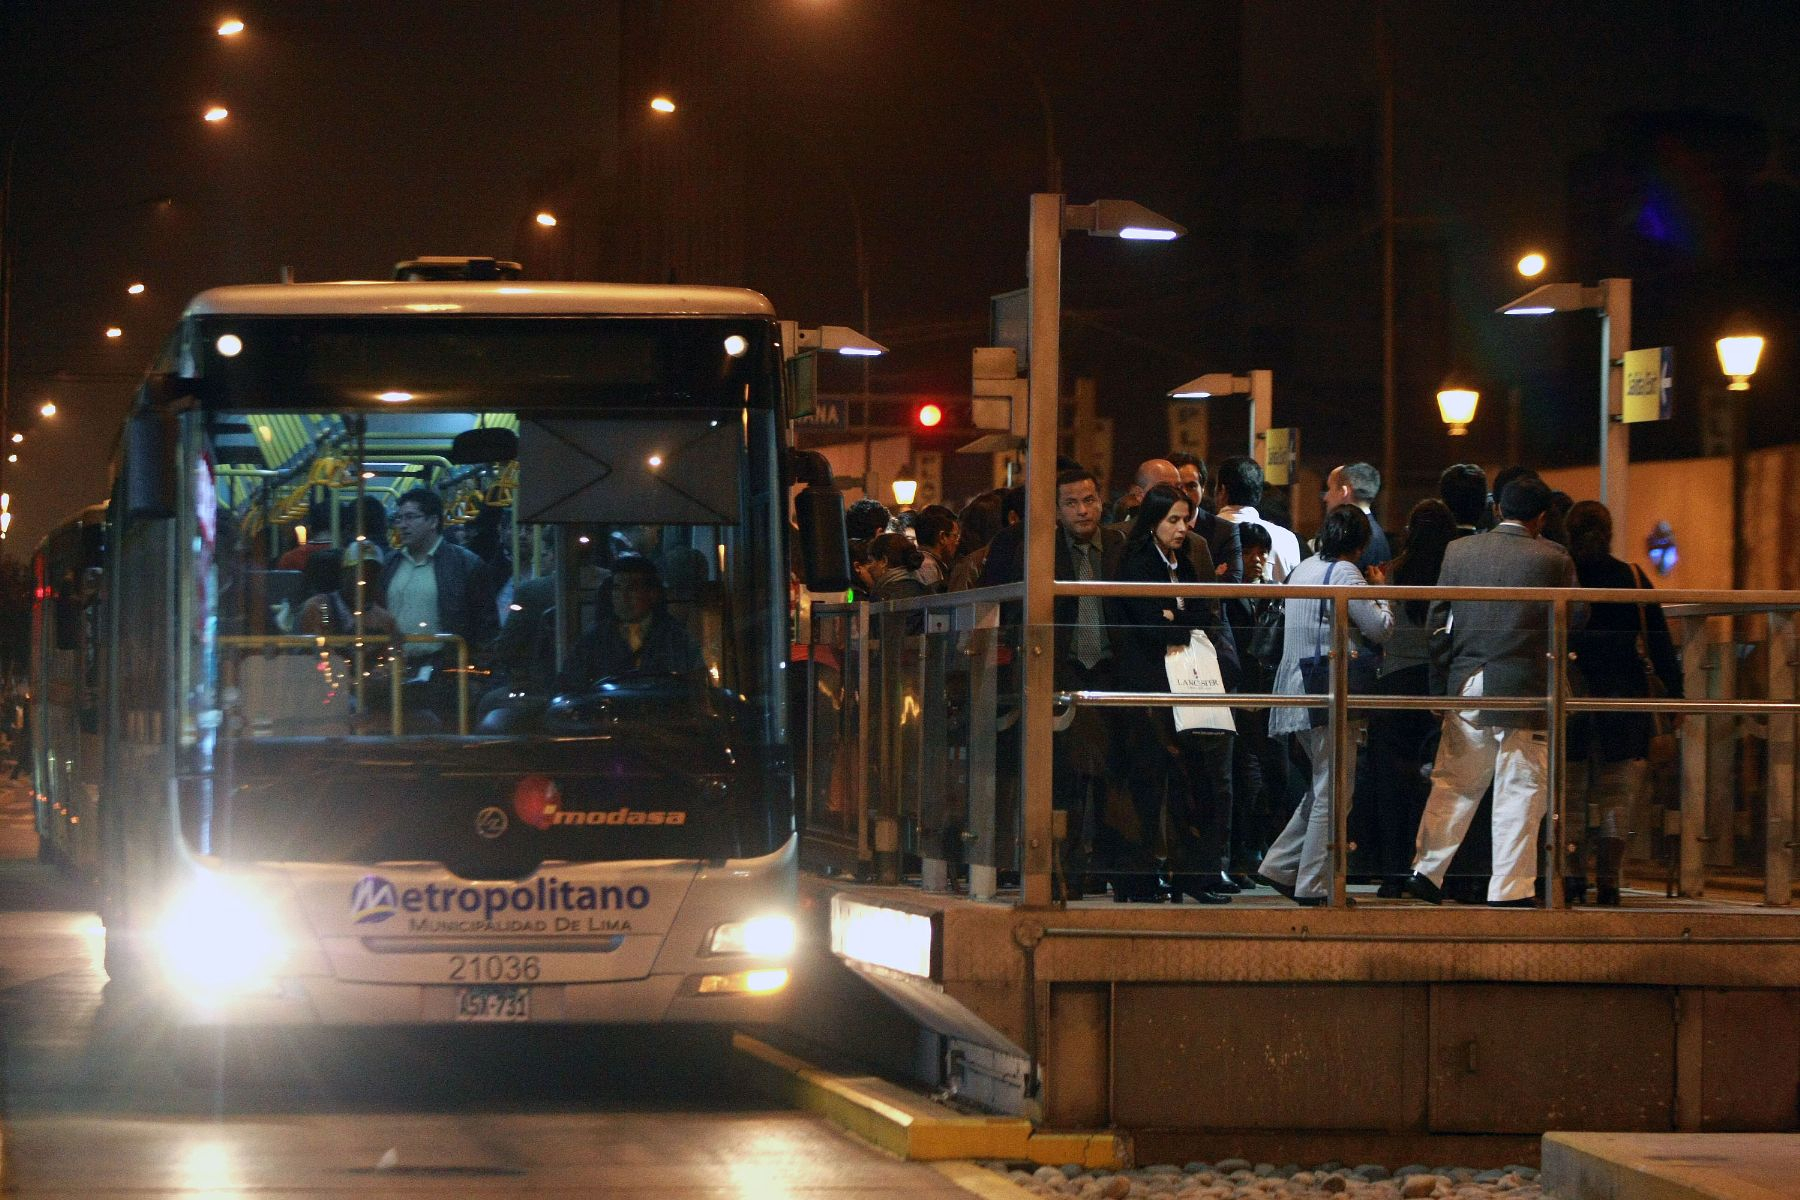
[1457, 406]
[1738, 356]
[1532, 265]
[905, 489]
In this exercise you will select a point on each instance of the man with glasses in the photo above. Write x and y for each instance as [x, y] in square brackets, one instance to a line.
[434, 586]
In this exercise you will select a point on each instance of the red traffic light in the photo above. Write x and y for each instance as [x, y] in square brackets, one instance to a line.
[929, 415]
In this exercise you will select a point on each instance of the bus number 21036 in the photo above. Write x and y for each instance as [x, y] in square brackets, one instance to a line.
[494, 968]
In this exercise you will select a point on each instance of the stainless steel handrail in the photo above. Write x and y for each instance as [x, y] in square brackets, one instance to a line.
[1690, 607]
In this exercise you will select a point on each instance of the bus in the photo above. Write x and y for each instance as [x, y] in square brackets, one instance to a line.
[65, 687]
[443, 680]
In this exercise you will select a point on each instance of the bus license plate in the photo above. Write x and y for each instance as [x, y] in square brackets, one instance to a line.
[488, 1003]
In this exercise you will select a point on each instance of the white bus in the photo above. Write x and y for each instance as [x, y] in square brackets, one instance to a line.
[555, 788]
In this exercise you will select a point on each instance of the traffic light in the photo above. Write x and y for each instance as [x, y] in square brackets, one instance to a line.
[928, 416]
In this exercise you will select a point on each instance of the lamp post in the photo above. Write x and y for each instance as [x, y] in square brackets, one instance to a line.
[1738, 356]
[1456, 404]
[1259, 386]
[1612, 299]
[1051, 217]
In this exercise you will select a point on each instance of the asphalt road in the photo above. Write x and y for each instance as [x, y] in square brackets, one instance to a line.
[99, 1098]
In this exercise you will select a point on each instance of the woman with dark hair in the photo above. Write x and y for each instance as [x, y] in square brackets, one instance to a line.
[1191, 769]
[1616, 653]
[1298, 865]
[891, 572]
[1398, 778]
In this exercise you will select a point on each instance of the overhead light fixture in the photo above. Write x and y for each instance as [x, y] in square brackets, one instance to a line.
[662, 104]
[394, 397]
[136, 289]
[229, 345]
[231, 28]
[736, 345]
[547, 220]
[1532, 265]
[215, 114]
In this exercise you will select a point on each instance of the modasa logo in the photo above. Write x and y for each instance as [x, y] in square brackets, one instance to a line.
[374, 899]
[537, 801]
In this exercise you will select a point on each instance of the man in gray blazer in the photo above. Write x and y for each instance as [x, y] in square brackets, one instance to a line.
[1496, 648]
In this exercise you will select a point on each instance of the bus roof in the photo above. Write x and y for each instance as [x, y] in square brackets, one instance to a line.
[544, 298]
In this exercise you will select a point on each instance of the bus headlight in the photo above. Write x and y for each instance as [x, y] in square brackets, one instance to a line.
[220, 937]
[763, 937]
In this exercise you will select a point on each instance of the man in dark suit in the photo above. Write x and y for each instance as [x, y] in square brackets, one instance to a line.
[1220, 536]
[1359, 483]
[1085, 550]
[1496, 648]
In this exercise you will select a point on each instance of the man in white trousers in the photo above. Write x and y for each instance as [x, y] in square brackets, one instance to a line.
[1496, 648]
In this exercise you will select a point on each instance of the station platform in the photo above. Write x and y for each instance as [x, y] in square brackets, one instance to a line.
[1388, 1031]
[1672, 1166]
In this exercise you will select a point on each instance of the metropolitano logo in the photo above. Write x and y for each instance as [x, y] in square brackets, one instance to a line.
[373, 900]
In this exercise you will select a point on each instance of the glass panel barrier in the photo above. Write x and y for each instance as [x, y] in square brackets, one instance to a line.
[913, 749]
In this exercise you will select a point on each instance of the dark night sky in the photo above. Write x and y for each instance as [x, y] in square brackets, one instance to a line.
[364, 132]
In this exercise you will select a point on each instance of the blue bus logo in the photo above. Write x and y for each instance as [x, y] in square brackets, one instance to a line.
[373, 900]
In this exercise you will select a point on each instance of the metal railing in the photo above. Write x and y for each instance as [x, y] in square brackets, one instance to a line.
[912, 702]
[359, 646]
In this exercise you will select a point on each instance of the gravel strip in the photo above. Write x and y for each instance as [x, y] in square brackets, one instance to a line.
[1238, 1179]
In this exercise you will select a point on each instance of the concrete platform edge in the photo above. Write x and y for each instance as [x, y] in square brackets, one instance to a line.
[913, 1128]
[1613, 1166]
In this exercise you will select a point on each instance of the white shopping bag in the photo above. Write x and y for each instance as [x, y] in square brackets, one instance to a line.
[1194, 669]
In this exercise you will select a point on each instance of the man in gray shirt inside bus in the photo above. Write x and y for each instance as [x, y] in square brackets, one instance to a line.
[435, 586]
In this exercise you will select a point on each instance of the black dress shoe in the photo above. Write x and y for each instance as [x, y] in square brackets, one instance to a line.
[1284, 889]
[1391, 889]
[1521, 902]
[1200, 888]
[1310, 901]
[1422, 888]
[1244, 882]
[1224, 885]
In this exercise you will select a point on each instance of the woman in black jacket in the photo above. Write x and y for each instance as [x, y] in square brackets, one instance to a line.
[1616, 653]
[1190, 770]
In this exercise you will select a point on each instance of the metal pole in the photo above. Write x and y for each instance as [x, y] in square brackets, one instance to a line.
[1343, 761]
[1690, 864]
[1555, 837]
[1044, 278]
[1615, 435]
[1778, 849]
[1390, 406]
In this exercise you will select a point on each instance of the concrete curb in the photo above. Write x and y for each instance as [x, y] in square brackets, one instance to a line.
[1671, 1166]
[912, 1128]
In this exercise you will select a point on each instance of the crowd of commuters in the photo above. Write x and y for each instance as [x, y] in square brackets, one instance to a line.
[1159, 805]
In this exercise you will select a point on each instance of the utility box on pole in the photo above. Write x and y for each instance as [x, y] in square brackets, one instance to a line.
[998, 393]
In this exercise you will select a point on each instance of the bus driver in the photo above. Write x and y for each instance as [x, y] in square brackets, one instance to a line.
[636, 632]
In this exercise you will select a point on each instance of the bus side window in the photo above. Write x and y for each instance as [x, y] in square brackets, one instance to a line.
[68, 613]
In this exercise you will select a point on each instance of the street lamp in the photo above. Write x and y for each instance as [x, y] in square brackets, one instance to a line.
[1051, 217]
[1258, 385]
[905, 489]
[1457, 406]
[1532, 265]
[662, 104]
[215, 114]
[1612, 299]
[47, 408]
[546, 219]
[230, 28]
[1738, 356]
[136, 289]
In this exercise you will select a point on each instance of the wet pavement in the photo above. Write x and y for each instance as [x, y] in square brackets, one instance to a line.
[102, 1098]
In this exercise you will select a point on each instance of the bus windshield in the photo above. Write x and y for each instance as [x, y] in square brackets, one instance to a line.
[416, 629]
